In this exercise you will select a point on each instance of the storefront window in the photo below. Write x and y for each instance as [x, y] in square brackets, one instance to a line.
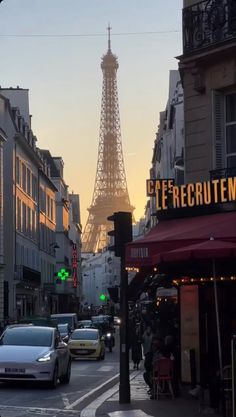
[231, 130]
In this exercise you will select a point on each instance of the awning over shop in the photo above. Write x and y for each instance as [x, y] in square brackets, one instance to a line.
[172, 234]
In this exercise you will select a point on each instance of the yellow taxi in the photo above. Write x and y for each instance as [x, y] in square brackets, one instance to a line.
[86, 343]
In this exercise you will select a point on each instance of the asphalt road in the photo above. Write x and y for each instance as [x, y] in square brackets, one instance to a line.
[31, 400]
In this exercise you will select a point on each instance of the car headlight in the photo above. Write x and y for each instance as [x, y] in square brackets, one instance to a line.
[45, 358]
[108, 334]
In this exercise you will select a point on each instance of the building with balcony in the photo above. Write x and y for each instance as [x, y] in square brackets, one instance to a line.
[3, 139]
[67, 238]
[29, 223]
[75, 232]
[168, 152]
[207, 69]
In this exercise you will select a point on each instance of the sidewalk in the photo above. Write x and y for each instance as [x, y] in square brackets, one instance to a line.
[142, 406]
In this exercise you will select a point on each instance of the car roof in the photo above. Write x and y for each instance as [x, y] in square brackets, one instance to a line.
[86, 330]
[31, 326]
[83, 321]
[63, 315]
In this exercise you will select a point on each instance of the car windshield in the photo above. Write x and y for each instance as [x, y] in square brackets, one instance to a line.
[84, 323]
[83, 335]
[64, 320]
[27, 337]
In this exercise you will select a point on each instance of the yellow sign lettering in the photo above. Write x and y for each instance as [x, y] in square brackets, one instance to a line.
[232, 189]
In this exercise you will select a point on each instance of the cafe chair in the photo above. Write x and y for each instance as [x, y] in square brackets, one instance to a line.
[163, 377]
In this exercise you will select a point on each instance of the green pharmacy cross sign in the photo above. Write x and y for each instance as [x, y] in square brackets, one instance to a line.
[63, 274]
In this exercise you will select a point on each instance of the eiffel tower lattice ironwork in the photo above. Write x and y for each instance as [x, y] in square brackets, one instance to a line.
[110, 191]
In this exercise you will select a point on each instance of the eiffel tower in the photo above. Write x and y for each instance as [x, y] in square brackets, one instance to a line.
[110, 191]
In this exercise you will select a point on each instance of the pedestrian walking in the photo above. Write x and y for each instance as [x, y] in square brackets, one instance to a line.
[136, 349]
[147, 340]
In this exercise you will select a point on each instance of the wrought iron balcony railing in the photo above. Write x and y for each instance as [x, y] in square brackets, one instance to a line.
[207, 23]
[223, 173]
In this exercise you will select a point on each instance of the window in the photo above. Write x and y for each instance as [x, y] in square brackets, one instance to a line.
[48, 205]
[24, 220]
[18, 214]
[33, 225]
[28, 189]
[29, 221]
[23, 177]
[230, 130]
[17, 170]
[34, 188]
[42, 200]
[225, 130]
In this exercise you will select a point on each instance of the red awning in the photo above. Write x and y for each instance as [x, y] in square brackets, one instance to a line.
[172, 234]
[209, 249]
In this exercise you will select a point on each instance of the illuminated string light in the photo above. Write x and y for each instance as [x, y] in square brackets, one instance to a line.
[202, 280]
[128, 269]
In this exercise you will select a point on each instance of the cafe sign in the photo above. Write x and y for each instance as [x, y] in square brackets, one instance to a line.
[171, 196]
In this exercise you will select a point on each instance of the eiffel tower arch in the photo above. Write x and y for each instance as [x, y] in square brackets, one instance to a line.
[110, 191]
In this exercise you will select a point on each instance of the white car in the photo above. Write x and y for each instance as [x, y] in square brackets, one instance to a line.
[34, 353]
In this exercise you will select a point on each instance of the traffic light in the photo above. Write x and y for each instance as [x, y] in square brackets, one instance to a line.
[103, 297]
[122, 232]
[114, 294]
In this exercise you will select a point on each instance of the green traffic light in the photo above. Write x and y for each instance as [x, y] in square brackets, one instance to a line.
[102, 297]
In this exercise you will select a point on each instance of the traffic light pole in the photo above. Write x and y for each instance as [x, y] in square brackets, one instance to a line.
[122, 234]
[124, 387]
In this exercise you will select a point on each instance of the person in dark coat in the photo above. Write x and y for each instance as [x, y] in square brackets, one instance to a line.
[136, 349]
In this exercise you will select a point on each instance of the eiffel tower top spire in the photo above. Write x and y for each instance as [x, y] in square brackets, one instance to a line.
[110, 191]
[109, 37]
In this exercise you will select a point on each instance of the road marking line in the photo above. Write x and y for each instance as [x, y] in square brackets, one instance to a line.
[129, 413]
[90, 410]
[105, 368]
[38, 409]
[81, 399]
[65, 400]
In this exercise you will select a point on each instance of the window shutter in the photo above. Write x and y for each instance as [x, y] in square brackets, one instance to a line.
[218, 130]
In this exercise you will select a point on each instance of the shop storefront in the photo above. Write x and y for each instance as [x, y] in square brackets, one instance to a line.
[194, 246]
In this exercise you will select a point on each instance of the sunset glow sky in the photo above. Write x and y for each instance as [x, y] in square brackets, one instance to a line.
[61, 69]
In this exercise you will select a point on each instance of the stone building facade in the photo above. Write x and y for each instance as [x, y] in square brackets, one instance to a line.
[208, 68]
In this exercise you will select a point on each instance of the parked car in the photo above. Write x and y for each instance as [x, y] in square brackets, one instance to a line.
[34, 353]
[86, 343]
[65, 331]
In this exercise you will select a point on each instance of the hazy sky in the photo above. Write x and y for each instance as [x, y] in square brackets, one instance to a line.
[64, 78]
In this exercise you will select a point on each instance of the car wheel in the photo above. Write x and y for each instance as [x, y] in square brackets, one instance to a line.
[53, 382]
[65, 379]
[100, 356]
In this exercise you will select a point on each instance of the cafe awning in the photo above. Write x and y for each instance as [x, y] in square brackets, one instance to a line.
[172, 234]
